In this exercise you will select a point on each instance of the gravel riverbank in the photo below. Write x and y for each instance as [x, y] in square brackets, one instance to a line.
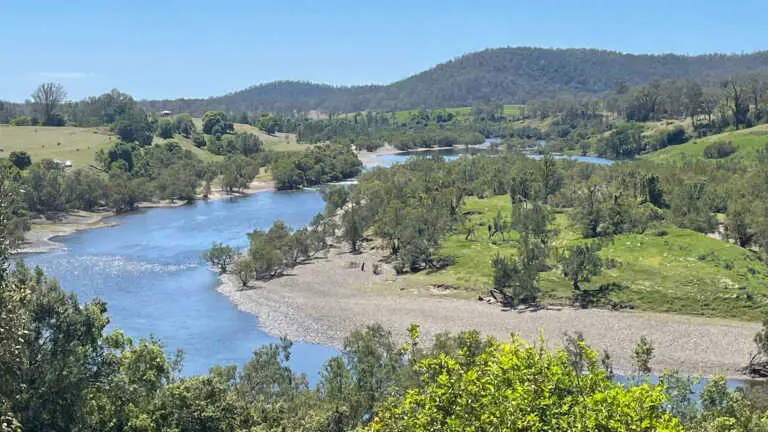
[324, 300]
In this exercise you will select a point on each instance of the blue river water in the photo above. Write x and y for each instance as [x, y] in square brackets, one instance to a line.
[148, 270]
[453, 154]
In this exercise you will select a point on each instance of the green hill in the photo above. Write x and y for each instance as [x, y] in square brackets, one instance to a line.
[510, 75]
[748, 142]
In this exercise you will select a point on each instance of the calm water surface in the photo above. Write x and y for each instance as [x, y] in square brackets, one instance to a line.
[149, 271]
[453, 154]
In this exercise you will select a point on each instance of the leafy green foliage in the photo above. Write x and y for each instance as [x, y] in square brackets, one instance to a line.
[20, 121]
[580, 263]
[642, 356]
[719, 150]
[216, 123]
[220, 256]
[245, 144]
[276, 250]
[20, 159]
[547, 393]
[134, 127]
[314, 166]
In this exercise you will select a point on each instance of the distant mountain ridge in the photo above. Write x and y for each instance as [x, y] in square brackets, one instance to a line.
[509, 75]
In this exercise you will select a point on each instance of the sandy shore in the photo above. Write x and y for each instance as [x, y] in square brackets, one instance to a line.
[324, 300]
[370, 159]
[39, 238]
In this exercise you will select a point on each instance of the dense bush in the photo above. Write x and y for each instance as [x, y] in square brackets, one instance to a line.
[314, 166]
[20, 159]
[719, 150]
[21, 121]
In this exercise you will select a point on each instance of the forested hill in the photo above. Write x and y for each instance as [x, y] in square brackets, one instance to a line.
[511, 75]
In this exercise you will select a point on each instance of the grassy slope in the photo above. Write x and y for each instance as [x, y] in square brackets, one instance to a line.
[459, 112]
[684, 271]
[277, 142]
[748, 141]
[64, 143]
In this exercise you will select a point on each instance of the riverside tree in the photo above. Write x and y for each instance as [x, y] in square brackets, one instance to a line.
[245, 270]
[220, 256]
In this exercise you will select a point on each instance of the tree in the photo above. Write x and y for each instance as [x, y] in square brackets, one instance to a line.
[124, 192]
[134, 126]
[738, 101]
[268, 123]
[737, 223]
[580, 263]
[238, 172]
[165, 128]
[60, 355]
[217, 123]
[693, 96]
[245, 270]
[516, 278]
[85, 189]
[44, 186]
[20, 159]
[46, 99]
[353, 227]
[336, 197]
[221, 256]
[642, 356]
[265, 253]
[532, 220]
[184, 125]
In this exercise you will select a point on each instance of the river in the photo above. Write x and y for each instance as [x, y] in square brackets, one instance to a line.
[453, 154]
[148, 270]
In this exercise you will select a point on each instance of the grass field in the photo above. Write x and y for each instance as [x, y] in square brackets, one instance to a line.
[461, 112]
[80, 145]
[749, 141]
[683, 271]
[63, 143]
[277, 142]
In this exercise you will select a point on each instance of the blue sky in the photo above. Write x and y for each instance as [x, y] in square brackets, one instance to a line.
[169, 49]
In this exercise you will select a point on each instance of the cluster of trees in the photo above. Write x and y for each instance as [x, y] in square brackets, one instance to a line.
[743, 199]
[274, 251]
[412, 207]
[316, 165]
[181, 124]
